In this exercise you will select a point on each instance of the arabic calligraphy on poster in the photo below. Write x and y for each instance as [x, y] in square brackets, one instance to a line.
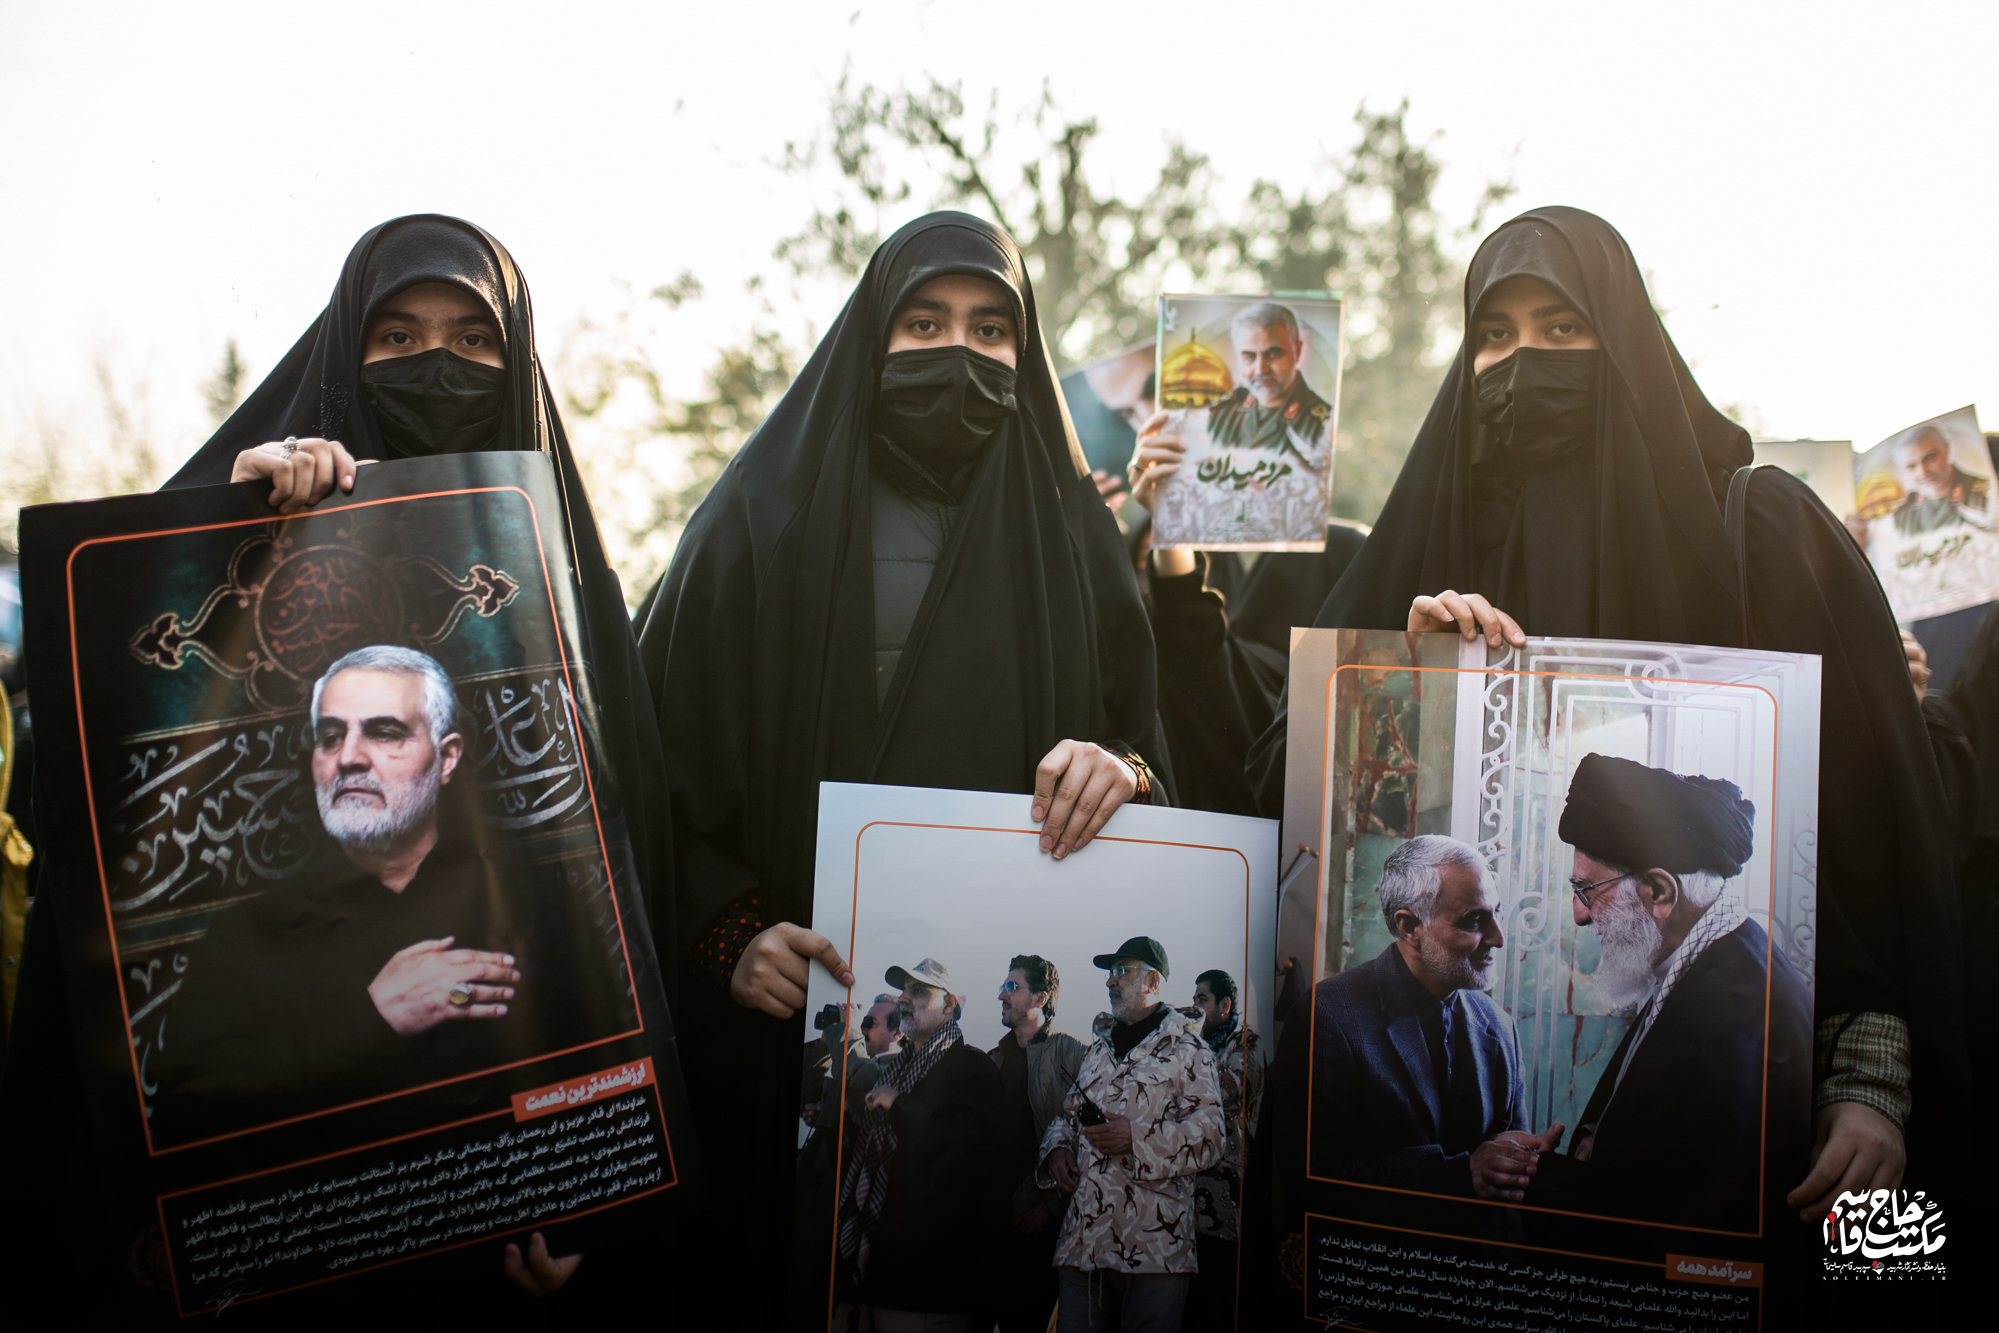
[320, 1220]
[528, 760]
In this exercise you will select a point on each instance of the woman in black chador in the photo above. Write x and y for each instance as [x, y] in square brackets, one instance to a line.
[906, 576]
[426, 347]
[1570, 480]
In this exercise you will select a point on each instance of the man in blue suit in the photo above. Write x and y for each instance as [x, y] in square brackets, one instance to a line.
[1415, 1071]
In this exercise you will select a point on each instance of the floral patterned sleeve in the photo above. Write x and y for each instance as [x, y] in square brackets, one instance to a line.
[716, 953]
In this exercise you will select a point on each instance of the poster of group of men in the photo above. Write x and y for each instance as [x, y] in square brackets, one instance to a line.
[1048, 1064]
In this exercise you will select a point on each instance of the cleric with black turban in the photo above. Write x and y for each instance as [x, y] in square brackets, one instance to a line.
[1675, 1129]
[1630, 815]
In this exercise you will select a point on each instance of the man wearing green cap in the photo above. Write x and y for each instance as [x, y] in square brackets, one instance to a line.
[1144, 1118]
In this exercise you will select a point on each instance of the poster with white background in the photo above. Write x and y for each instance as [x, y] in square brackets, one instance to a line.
[908, 873]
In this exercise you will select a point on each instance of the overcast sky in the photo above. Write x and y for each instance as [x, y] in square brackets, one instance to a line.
[1812, 185]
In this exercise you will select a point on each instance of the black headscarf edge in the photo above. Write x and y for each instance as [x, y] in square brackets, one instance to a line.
[313, 390]
[1422, 537]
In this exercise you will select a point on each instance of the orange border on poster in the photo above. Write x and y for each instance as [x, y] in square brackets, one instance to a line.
[97, 846]
[1318, 934]
[853, 929]
[97, 849]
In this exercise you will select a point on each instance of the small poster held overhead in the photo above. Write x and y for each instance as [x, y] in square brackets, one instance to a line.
[1924, 513]
[1252, 383]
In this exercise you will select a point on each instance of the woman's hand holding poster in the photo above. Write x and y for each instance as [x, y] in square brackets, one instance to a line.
[355, 955]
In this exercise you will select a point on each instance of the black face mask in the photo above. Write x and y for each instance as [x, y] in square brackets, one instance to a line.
[941, 405]
[1539, 406]
[435, 402]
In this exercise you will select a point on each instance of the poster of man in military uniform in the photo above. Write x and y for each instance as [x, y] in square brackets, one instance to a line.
[1252, 384]
[1924, 514]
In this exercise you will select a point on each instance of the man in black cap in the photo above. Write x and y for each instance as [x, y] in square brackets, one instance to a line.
[1675, 1129]
[1144, 1118]
[926, 1184]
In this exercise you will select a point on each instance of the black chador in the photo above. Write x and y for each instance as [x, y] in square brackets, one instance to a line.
[784, 652]
[317, 389]
[1224, 636]
[1582, 492]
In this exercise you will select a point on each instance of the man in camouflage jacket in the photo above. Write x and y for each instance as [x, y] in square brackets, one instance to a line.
[1144, 1118]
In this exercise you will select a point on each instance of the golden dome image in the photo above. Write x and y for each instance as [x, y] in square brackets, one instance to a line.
[1193, 376]
[1879, 492]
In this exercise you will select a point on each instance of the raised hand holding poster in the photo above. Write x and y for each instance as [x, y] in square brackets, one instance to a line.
[1925, 514]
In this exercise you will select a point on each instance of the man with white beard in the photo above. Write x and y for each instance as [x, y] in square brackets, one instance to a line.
[1674, 1129]
[1415, 1071]
[414, 955]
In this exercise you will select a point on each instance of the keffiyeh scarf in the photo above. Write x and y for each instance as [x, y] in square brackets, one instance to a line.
[864, 1186]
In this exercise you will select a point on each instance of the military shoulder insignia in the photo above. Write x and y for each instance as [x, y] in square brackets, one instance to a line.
[1321, 412]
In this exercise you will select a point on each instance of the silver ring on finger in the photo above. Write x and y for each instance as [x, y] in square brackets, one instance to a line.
[461, 994]
[291, 445]
[1135, 471]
